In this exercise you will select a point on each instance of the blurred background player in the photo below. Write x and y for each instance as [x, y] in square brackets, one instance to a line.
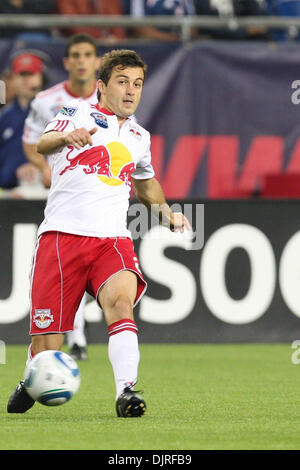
[27, 80]
[81, 61]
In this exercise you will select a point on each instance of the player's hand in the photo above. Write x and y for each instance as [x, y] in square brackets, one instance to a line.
[26, 173]
[80, 137]
[179, 223]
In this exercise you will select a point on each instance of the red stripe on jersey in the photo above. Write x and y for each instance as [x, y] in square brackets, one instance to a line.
[61, 125]
[57, 125]
[64, 126]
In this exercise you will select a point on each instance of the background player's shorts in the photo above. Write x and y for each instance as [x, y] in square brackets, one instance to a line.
[65, 266]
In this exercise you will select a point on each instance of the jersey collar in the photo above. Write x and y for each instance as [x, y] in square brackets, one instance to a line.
[67, 89]
[107, 112]
[104, 110]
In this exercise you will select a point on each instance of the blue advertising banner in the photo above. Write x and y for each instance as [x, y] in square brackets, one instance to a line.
[224, 115]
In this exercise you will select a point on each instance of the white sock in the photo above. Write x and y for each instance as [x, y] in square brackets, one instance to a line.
[123, 353]
[30, 355]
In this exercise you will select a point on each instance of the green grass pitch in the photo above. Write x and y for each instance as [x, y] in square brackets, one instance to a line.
[198, 396]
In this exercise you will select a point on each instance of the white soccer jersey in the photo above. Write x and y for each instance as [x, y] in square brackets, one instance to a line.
[90, 188]
[44, 108]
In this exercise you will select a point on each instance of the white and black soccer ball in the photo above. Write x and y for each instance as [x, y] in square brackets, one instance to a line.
[52, 378]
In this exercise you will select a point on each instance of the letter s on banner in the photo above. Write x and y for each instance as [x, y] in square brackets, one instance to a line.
[169, 273]
[263, 273]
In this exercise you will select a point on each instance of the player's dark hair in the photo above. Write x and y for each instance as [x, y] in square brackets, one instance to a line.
[118, 58]
[78, 39]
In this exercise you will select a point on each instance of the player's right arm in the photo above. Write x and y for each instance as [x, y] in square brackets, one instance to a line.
[39, 161]
[52, 141]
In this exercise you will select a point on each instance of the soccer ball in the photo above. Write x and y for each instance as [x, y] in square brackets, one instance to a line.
[52, 378]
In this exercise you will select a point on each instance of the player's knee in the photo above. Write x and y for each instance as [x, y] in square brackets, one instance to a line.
[122, 307]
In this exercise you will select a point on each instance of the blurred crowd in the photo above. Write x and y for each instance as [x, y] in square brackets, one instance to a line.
[140, 8]
[25, 76]
[19, 179]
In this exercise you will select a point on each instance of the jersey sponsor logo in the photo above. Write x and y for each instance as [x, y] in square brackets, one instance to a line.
[100, 120]
[112, 164]
[68, 111]
[94, 160]
[121, 165]
[43, 318]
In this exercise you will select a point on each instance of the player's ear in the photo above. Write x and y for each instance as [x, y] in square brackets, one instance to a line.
[101, 86]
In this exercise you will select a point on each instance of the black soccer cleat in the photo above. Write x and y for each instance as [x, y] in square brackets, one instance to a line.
[78, 353]
[130, 405]
[19, 401]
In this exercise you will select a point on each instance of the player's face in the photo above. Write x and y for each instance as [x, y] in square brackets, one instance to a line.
[27, 85]
[82, 62]
[123, 91]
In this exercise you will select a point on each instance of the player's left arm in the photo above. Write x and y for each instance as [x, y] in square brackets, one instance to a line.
[150, 193]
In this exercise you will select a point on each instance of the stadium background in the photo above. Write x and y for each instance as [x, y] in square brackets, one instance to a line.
[224, 116]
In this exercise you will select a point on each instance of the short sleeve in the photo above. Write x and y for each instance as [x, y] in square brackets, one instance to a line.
[35, 123]
[144, 169]
[67, 119]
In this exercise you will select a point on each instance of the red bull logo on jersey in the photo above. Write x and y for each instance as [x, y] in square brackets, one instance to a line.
[121, 165]
[136, 133]
[112, 163]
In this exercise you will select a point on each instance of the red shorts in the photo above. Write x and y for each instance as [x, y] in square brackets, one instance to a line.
[65, 266]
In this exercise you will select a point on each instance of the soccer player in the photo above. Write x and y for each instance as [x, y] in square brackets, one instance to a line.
[83, 242]
[81, 61]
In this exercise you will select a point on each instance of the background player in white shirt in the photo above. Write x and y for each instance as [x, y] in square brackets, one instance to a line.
[81, 61]
[83, 242]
